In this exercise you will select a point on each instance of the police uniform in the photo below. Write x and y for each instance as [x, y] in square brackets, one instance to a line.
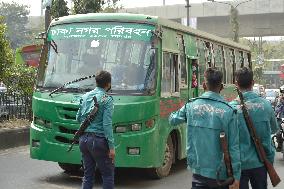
[265, 123]
[206, 117]
[97, 139]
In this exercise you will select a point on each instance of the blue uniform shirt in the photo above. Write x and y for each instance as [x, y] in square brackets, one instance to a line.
[206, 118]
[102, 124]
[265, 123]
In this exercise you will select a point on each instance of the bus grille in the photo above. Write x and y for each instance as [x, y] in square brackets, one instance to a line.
[64, 140]
[67, 130]
[68, 113]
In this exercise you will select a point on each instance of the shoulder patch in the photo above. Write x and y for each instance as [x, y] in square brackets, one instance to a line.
[226, 103]
[106, 97]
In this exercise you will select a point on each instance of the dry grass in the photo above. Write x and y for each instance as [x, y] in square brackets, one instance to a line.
[14, 123]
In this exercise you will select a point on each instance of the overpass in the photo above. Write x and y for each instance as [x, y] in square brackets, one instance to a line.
[256, 18]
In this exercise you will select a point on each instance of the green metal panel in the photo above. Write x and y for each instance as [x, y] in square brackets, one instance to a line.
[18, 56]
[190, 46]
[169, 40]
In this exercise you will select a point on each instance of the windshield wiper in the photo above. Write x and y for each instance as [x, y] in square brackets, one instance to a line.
[54, 46]
[70, 82]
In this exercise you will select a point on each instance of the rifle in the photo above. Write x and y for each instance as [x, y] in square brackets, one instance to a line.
[85, 123]
[274, 178]
[227, 160]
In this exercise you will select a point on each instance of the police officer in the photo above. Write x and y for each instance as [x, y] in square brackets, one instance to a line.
[206, 117]
[97, 143]
[264, 121]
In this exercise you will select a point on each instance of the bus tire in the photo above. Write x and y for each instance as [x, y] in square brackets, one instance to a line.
[164, 170]
[70, 168]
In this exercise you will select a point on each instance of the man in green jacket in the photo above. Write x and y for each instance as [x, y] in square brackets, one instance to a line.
[97, 143]
[265, 123]
[206, 117]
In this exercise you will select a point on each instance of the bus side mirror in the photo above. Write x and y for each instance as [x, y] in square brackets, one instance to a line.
[41, 35]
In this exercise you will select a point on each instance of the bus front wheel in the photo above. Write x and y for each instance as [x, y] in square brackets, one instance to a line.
[164, 170]
[69, 168]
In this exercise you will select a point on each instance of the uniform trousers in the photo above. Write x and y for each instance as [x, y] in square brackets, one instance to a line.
[95, 153]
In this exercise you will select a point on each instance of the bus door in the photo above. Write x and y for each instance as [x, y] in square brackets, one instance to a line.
[193, 77]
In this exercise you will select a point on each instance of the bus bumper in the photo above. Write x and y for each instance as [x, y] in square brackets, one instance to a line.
[140, 149]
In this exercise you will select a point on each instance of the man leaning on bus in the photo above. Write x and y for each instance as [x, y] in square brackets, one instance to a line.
[97, 143]
[206, 117]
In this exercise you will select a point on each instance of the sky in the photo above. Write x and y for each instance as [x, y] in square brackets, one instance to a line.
[35, 4]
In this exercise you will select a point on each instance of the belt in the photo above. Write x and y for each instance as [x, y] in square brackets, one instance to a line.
[93, 134]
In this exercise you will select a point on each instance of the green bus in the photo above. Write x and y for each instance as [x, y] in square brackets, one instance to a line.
[156, 66]
[28, 55]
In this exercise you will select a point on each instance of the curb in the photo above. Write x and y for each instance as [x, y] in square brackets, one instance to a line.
[10, 138]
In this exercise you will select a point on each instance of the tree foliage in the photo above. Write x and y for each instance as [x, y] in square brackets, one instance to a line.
[16, 19]
[6, 53]
[59, 8]
[20, 78]
[17, 78]
[93, 6]
[258, 75]
[111, 7]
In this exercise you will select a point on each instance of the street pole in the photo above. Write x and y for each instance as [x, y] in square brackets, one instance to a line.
[187, 6]
[234, 23]
[164, 2]
[47, 17]
[234, 14]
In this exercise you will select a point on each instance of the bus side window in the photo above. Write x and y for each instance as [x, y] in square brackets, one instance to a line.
[170, 74]
[166, 75]
[229, 65]
[246, 60]
[194, 80]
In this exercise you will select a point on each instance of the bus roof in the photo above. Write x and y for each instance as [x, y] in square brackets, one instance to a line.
[29, 48]
[141, 18]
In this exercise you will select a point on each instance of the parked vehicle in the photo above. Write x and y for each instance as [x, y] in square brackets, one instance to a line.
[274, 140]
[271, 95]
[3, 88]
[256, 89]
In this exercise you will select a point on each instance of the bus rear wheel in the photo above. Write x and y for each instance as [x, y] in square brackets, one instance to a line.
[70, 168]
[164, 170]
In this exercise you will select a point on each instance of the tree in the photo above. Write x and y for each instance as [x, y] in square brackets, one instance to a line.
[234, 23]
[258, 75]
[16, 19]
[20, 78]
[92, 6]
[87, 6]
[59, 8]
[112, 7]
[6, 53]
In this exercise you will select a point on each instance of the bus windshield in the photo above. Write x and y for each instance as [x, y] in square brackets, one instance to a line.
[81, 50]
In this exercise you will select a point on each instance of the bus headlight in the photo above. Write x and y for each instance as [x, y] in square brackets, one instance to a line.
[136, 127]
[133, 151]
[42, 122]
[38, 121]
[120, 129]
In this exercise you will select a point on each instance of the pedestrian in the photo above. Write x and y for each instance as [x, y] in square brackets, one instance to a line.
[206, 117]
[279, 112]
[97, 143]
[264, 121]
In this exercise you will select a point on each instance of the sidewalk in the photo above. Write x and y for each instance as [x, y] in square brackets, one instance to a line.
[14, 137]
